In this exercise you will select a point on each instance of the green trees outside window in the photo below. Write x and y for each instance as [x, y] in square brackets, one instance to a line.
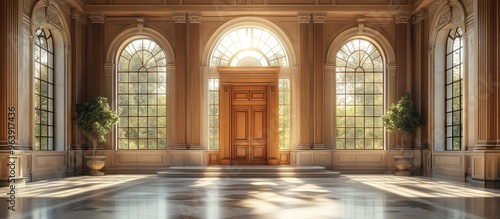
[44, 90]
[359, 96]
[142, 96]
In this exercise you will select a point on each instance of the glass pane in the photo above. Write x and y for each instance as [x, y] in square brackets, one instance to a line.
[360, 65]
[254, 42]
[454, 90]
[141, 87]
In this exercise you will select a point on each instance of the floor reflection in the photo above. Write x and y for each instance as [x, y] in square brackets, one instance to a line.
[350, 196]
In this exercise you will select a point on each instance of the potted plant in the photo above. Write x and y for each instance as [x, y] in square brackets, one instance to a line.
[403, 117]
[95, 118]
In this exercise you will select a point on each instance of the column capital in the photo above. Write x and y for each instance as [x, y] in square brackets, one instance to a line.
[78, 15]
[179, 17]
[194, 18]
[96, 17]
[420, 15]
[319, 17]
[304, 17]
[403, 17]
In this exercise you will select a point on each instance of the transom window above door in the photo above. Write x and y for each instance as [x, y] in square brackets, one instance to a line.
[249, 46]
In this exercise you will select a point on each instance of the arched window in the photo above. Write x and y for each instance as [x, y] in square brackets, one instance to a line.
[249, 46]
[142, 96]
[44, 90]
[454, 89]
[359, 96]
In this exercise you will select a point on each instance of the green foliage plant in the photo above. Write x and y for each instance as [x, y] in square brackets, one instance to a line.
[403, 117]
[95, 118]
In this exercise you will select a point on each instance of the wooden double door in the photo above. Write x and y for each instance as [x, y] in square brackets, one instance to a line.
[249, 125]
[248, 103]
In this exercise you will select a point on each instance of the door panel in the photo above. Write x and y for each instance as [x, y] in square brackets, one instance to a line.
[241, 152]
[241, 126]
[258, 124]
[259, 152]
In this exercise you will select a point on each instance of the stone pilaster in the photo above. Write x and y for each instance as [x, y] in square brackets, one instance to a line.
[95, 62]
[485, 157]
[403, 53]
[180, 28]
[78, 37]
[488, 75]
[420, 75]
[403, 57]
[305, 110]
[194, 81]
[318, 74]
[9, 64]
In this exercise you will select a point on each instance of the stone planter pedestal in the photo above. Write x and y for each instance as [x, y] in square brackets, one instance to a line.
[95, 163]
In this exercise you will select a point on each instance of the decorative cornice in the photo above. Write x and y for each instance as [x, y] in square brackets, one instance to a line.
[179, 17]
[79, 16]
[304, 18]
[403, 17]
[194, 18]
[420, 15]
[319, 17]
[96, 17]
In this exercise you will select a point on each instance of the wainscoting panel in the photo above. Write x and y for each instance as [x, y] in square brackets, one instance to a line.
[49, 165]
[188, 158]
[449, 165]
[312, 158]
[143, 161]
[492, 166]
[22, 162]
[350, 161]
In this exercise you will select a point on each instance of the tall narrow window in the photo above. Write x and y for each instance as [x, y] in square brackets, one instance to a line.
[284, 114]
[44, 90]
[142, 96]
[454, 90]
[213, 114]
[359, 96]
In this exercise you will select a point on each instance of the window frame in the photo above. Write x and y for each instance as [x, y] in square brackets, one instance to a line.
[44, 35]
[349, 97]
[451, 81]
[142, 100]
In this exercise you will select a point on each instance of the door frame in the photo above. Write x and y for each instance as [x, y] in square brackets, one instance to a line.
[236, 76]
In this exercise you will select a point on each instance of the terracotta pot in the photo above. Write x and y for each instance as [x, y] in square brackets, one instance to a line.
[95, 163]
[403, 164]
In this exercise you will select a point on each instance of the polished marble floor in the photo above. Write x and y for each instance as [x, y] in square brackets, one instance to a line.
[350, 196]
